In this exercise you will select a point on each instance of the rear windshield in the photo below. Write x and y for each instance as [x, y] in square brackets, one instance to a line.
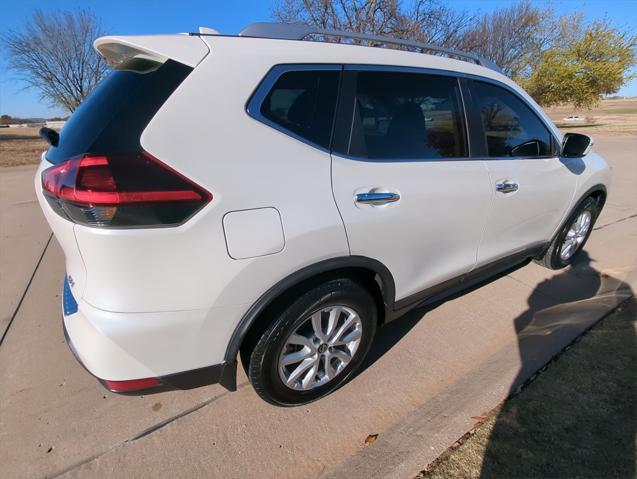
[114, 116]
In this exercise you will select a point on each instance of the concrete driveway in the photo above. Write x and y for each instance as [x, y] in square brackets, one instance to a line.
[429, 374]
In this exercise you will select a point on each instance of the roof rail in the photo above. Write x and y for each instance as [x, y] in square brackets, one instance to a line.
[299, 30]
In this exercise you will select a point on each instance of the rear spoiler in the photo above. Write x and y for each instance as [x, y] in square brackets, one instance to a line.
[146, 53]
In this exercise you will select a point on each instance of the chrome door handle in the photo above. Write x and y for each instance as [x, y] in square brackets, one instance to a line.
[506, 186]
[377, 199]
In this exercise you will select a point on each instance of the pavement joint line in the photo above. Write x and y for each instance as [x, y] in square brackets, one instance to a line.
[26, 289]
[615, 222]
[523, 283]
[145, 432]
[196, 408]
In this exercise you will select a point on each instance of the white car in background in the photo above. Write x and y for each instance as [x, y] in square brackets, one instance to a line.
[277, 199]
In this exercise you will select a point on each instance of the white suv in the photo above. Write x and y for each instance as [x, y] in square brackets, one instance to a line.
[279, 199]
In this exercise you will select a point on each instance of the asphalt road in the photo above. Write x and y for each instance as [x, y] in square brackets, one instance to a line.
[430, 372]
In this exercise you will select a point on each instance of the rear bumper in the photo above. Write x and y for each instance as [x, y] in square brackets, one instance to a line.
[139, 352]
[224, 374]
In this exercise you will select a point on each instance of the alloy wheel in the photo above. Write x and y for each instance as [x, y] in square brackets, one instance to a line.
[320, 348]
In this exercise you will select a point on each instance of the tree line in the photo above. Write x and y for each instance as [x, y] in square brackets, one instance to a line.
[556, 58]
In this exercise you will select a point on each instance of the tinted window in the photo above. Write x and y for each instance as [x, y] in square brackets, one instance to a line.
[303, 102]
[113, 117]
[511, 128]
[407, 115]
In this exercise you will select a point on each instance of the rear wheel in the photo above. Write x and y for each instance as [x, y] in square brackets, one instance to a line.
[572, 237]
[315, 344]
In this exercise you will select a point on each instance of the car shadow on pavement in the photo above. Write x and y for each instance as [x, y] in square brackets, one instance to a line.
[391, 333]
[582, 423]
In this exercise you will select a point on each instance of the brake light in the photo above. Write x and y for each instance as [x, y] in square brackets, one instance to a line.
[130, 189]
[132, 385]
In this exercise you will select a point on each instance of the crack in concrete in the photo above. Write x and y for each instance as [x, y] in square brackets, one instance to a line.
[26, 289]
[152, 429]
[615, 222]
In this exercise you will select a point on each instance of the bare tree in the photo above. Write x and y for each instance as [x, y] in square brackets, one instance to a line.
[425, 20]
[55, 55]
[516, 37]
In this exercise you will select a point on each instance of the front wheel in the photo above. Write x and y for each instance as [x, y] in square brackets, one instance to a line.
[314, 344]
[572, 237]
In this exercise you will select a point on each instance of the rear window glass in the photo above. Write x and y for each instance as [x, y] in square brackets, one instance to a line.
[114, 116]
[303, 102]
[407, 116]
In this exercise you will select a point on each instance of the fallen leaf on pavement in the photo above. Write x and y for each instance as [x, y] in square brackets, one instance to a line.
[369, 440]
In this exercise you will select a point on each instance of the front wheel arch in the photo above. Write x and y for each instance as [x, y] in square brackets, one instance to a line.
[598, 192]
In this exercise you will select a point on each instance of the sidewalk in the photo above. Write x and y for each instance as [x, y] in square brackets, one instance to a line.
[429, 373]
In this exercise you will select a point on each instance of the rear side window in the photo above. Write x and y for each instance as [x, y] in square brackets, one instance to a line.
[113, 117]
[510, 126]
[303, 102]
[407, 116]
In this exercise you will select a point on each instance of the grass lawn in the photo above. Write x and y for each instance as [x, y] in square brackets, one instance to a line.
[577, 419]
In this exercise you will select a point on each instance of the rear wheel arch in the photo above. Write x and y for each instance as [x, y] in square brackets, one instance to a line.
[370, 273]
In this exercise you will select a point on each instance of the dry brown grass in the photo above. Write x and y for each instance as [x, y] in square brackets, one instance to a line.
[20, 146]
[577, 419]
[23, 146]
[616, 117]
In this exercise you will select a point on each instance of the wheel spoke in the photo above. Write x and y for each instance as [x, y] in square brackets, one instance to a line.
[344, 327]
[341, 355]
[296, 356]
[354, 335]
[300, 369]
[332, 321]
[317, 325]
[583, 221]
[310, 375]
[300, 340]
[329, 370]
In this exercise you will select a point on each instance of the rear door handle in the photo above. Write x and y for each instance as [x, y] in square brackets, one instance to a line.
[506, 186]
[376, 199]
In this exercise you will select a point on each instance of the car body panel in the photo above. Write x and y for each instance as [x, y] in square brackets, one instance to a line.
[419, 241]
[528, 215]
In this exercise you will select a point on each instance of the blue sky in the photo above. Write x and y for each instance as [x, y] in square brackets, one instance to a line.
[164, 16]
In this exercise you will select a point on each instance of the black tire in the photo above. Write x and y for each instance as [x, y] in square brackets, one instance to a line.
[552, 258]
[263, 370]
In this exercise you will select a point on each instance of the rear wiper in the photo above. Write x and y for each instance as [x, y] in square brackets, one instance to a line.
[52, 137]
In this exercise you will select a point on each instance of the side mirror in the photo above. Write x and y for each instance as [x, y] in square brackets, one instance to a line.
[575, 145]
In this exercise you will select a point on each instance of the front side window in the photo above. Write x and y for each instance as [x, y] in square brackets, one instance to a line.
[510, 127]
[407, 116]
[303, 102]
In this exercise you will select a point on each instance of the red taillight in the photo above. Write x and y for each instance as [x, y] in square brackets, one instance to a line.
[132, 385]
[132, 189]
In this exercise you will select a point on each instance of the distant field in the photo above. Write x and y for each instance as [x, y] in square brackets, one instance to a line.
[611, 116]
[23, 146]
[20, 146]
